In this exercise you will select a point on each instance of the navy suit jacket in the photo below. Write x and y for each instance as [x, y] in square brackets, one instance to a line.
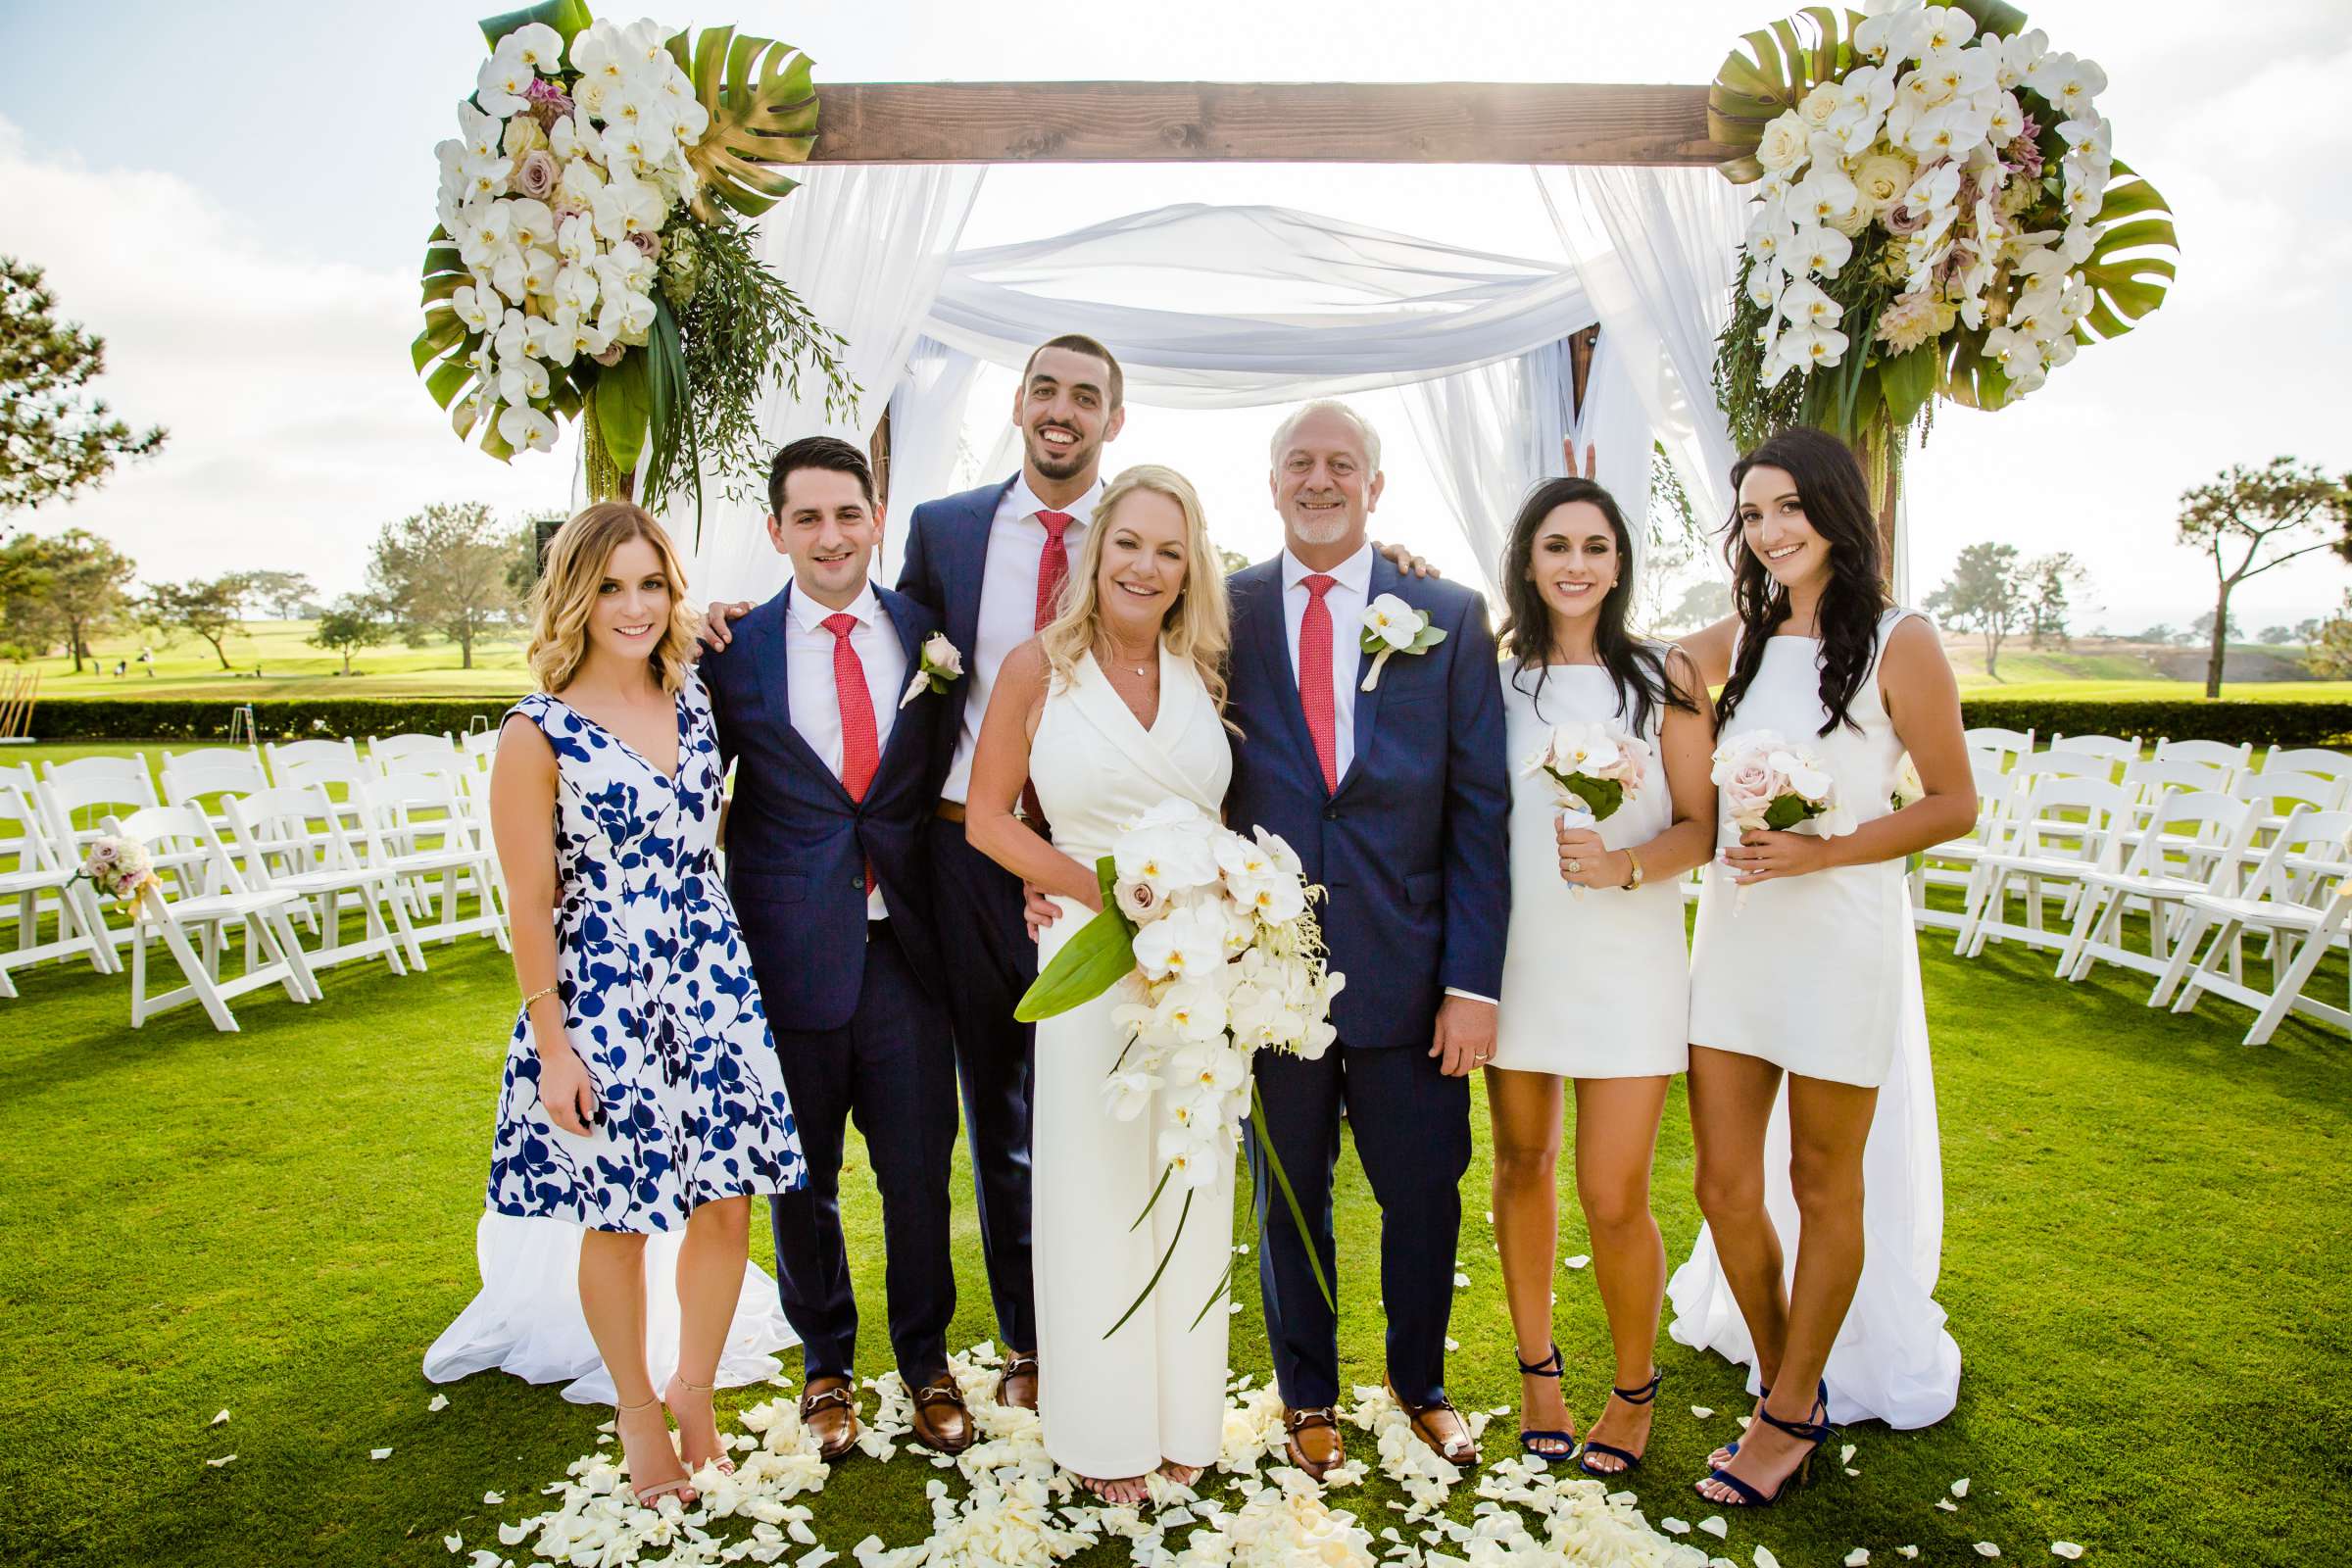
[797, 846]
[1413, 847]
[947, 553]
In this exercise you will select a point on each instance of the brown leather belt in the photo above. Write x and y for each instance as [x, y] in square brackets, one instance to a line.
[949, 810]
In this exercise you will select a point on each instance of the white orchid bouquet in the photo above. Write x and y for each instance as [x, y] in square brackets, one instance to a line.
[589, 258]
[1937, 213]
[118, 867]
[1592, 771]
[1768, 785]
[1212, 941]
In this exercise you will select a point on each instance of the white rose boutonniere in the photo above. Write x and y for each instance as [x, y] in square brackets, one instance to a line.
[940, 663]
[1392, 626]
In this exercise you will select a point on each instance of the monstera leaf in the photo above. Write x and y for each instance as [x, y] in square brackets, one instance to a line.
[1755, 87]
[2122, 270]
[762, 112]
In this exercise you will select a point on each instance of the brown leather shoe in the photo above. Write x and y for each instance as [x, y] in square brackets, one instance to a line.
[830, 1412]
[1441, 1426]
[942, 1422]
[1018, 1385]
[1314, 1439]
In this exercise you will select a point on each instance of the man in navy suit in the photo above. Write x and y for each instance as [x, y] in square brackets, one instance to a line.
[816, 694]
[1397, 801]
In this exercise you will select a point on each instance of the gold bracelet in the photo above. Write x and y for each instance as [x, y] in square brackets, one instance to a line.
[1632, 879]
[535, 995]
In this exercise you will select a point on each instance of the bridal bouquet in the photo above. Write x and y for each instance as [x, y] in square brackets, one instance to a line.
[1592, 768]
[1211, 939]
[1770, 785]
[118, 867]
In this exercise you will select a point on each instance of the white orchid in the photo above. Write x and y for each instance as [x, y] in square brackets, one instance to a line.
[1941, 34]
[2068, 83]
[484, 178]
[627, 205]
[575, 289]
[530, 224]
[1890, 30]
[1812, 348]
[1128, 1094]
[577, 337]
[1822, 195]
[520, 274]
[1819, 252]
[483, 231]
[1394, 621]
[1806, 305]
[478, 307]
[534, 45]
[499, 85]
[2020, 55]
[480, 132]
[521, 379]
[527, 429]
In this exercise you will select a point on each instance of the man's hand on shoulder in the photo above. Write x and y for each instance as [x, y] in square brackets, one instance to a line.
[717, 630]
[1404, 560]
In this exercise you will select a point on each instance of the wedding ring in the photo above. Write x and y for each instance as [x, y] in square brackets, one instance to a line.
[1575, 866]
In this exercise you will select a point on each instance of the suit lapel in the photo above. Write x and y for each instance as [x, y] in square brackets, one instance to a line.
[776, 676]
[968, 566]
[902, 624]
[1270, 640]
[1386, 579]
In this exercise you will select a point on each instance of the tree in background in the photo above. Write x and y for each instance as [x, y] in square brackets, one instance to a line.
[2308, 630]
[2047, 583]
[2250, 521]
[2278, 636]
[352, 622]
[2201, 629]
[2328, 650]
[71, 587]
[1984, 593]
[206, 610]
[2161, 634]
[445, 569]
[54, 440]
[1702, 604]
[286, 595]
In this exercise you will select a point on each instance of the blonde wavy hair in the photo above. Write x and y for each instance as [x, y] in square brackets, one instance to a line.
[565, 595]
[1198, 626]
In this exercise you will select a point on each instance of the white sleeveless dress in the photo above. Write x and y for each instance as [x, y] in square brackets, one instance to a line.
[1819, 974]
[1154, 1390]
[1597, 987]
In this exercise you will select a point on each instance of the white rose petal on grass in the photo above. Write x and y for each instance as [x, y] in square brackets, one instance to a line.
[217, 1420]
[1452, 1344]
[1985, 1548]
[439, 1402]
[493, 1499]
[1857, 1557]
[1852, 1471]
[1947, 1505]
[1960, 1488]
[379, 1454]
[2064, 1548]
[226, 1459]
[1908, 1552]
[455, 1543]
[1461, 1281]
[1765, 1558]
[1714, 1526]
[1577, 1261]
[1702, 1411]
[1845, 1455]
[1675, 1527]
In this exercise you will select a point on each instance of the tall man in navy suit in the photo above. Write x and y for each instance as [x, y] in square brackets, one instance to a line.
[1397, 801]
[840, 754]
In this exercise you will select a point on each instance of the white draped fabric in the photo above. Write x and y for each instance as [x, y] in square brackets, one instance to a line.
[926, 426]
[864, 247]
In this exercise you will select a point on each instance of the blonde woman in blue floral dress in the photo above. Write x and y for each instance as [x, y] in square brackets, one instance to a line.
[642, 1093]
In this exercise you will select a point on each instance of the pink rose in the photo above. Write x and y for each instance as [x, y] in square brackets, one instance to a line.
[1748, 793]
[1137, 902]
[536, 175]
[648, 242]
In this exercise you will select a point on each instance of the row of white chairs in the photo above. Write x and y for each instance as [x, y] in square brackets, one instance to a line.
[408, 849]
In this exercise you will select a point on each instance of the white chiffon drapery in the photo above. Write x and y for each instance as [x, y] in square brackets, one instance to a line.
[526, 1319]
[864, 247]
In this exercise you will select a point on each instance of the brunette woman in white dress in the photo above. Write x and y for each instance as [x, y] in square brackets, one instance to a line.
[1595, 981]
[1124, 693]
[1812, 976]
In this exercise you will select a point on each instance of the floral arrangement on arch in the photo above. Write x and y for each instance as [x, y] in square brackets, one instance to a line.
[1939, 212]
[593, 256]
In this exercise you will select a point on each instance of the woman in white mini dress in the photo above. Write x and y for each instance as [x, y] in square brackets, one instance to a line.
[1803, 969]
[1595, 987]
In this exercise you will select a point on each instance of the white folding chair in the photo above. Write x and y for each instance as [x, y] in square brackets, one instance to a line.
[2046, 851]
[480, 746]
[215, 756]
[40, 885]
[413, 754]
[416, 825]
[2191, 843]
[293, 844]
[2006, 746]
[284, 754]
[2231, 761]
[1954, 863]
[2292, 897]
[2276, 796]
[2116, 749]
[206, 785]
[271, 954]
[2308, 760]
[89, 788]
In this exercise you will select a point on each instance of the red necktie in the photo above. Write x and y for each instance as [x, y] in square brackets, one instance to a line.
[861, 751]
[1052, 567]
[1314, 677]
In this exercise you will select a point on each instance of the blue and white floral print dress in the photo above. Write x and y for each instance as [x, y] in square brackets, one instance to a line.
[658, 994]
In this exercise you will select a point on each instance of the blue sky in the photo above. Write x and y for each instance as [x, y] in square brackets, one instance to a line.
[236, 195]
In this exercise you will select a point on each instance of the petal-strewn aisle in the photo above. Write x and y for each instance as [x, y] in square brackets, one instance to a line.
[1019, 1510]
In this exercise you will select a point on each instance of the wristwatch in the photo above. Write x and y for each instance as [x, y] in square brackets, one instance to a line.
[1633, 877]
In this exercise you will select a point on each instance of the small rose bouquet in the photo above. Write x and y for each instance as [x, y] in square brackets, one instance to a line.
[118, 868]
[1392, 626]
[1211, 940]
[1769, 785]
[938, 664]
[1593, 769]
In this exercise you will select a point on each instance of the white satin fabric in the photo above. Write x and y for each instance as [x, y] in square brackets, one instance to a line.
[527, 1320]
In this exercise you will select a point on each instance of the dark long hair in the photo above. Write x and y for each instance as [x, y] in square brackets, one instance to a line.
[1637, 668]
[1837, 499]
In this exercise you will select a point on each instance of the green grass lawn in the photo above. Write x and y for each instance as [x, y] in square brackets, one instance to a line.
[2145, 1264]
[290, 667]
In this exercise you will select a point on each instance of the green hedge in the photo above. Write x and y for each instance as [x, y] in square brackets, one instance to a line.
[281, 718]
[2167, 718]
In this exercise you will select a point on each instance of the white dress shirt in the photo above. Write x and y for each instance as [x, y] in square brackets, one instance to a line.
[816, 700]
[1016, 543]
[1350, 591]
[1345, 600]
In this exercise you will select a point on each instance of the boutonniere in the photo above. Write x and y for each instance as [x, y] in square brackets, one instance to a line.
[938, 664]
[1392, 626]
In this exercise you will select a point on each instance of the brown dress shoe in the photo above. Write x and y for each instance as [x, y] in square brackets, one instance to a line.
[1442, 1427]
[830, 1413]
[942, 1422]
[1018, 1385]
[1314, 1439]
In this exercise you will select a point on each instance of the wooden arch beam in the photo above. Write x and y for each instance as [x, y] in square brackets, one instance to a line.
[1213, 122]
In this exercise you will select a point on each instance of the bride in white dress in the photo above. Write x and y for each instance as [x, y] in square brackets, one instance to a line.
[1804, 969]
[1115, 708]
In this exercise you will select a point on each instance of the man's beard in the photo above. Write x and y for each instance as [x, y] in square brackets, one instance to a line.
[1064, 462]
[1322, 533]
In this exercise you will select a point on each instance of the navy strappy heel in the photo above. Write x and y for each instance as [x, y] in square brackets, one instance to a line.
[1550, 1367]
[1632, 1461]
[1813, 1433]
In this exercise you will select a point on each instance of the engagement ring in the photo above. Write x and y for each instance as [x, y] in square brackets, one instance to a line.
[1575, 866]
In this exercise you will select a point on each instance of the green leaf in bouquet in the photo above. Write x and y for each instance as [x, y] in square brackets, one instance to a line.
[1266, 1147]
[1427, 638]
[2126, 272]
[569, 18]
[442, 331]
[762, 107]
[1601, 796]
[1782, 64]
[1787, 810]
[1087, 964]
[1107, 878]
[1992, 16]
[621, 410]
[448, 379]
[1224, 1284]
[1152, 1282]
[1153, 1202]
[1907, 380]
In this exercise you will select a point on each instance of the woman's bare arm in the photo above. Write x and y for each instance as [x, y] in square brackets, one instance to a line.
[1000, 765]
[522, 821]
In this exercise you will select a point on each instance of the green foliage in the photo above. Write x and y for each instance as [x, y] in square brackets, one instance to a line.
[287, 595]
[444, 569]
[2249, 521]
[68, 587]
[2328, 653]
[55, 442]
[352, 622]
[762, 107]
[2231, 721]
[1088, 963]
[278, 718]
[1985, 594]
[201, 607]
